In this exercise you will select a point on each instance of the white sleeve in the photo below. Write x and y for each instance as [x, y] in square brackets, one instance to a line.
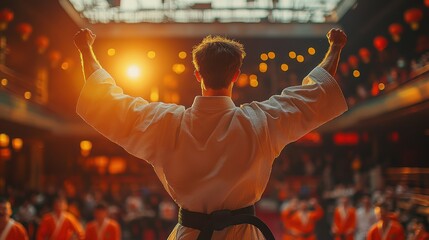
[131, 122]
[297, 110]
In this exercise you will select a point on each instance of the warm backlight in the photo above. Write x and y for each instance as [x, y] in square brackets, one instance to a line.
[133, 71]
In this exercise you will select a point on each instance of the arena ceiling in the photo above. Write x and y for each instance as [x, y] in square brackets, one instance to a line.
[195, 18]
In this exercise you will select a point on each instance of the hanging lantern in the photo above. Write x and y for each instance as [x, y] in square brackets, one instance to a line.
[365, 55]
[4, 140]
[24, 30]
[380, 43]
[427, 3]
[5, 154]
[6, 16]
[413, 16]
[344, 68]
[353, 61]
[54, 58]
[395, 30]
[17, 144]
[42, 42]
[85, 147]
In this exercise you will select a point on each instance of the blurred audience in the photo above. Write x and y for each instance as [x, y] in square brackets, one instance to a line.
[300, 219]
[59, 224]
[344, 224]
[9, 228]
[365, 218]
[103, 227]
[386, 227]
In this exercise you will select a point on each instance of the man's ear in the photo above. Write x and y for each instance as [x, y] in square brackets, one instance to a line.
[236, 75]
[197, 75]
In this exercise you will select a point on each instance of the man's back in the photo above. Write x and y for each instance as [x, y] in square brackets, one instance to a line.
[212, 156]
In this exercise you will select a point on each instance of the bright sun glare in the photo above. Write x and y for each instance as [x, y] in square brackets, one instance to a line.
[133, 71]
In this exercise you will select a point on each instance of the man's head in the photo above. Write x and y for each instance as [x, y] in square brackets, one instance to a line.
[60, 204]
[100, 212]
[366, 201]
[343, 201]
[217, 61]
[381, 211]
[5, 209]
[303, 205]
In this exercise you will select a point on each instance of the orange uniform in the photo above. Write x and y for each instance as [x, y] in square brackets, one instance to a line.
[13, 231]
[393, 231]
[302, 224]
[62, 228]
[109, 230]
[344, 225]
[286, 215]
[423, 235]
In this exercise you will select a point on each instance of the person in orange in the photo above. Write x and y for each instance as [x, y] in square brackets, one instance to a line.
[344, 225]
[303, 221]
[59, 224]
[385, 228]
[286, 214]
[103, 227]
[418, 231]
[9, 228]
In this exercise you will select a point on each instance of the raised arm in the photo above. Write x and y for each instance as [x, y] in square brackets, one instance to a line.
[83, 41]
[337, 40]
[131, 122]
[300, 109]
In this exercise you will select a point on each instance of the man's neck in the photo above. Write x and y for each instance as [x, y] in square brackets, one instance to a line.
[210, 92]
[216, 92]
[58, 213]
[385, 224]
[100, 221]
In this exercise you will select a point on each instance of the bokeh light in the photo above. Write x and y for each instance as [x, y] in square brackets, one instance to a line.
[356, 73]
[263, 67]
[151, 54]
[154, 94]
[65, 66]
[178, 68]
[243, 80]
[4, 140]
[111, 52]
[182, 55]
[253, 80]
[27, 95]
[284, 67]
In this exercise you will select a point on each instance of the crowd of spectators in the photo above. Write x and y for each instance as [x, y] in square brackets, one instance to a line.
[140, 214]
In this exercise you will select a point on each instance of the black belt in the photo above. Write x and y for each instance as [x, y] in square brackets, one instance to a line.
[218, 220]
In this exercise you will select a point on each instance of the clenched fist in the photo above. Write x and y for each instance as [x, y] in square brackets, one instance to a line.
[337, 37]
[84, 39]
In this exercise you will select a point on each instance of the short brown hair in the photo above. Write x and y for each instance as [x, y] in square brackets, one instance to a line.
[217, 59]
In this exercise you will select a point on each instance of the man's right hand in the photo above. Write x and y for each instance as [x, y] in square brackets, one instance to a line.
[84, 39]
[336, 37]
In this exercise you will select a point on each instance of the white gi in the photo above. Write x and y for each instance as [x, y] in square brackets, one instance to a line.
[213, 155]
